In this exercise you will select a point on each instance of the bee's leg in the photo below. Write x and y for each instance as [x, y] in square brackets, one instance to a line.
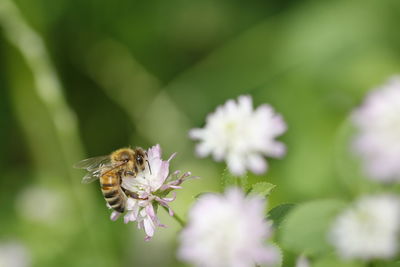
[129, 173]
[126, 172]
[120, 176]
[119, 173]
[130, 194]
[133, 195]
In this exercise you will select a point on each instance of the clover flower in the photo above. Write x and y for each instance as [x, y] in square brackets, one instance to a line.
[14, 254]
[241, 136]
[227, 230]
[369, 229]
[53, 204]
[378, 138]
[150, 189]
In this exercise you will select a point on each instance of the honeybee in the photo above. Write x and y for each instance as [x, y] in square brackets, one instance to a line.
[110, 169]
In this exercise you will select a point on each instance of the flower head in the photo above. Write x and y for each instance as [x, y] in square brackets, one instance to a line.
[227, 230]
[149, 189]
[378, 139]
[368, 229]
[14, 254]
[241, 136]
[53, 204]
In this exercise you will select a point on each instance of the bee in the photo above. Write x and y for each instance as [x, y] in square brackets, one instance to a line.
[110, 169]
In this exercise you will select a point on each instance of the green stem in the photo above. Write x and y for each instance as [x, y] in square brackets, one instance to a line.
[237, 182]
[176, 217]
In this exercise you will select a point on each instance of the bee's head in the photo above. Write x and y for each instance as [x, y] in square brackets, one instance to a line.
[140, 158]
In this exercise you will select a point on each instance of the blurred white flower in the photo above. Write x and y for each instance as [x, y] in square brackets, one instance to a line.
[41, 204]
[227, 230]
[14, 254]
[302, 261]
[369, 229]
[149, 189]
[378, 139]
[241, 136]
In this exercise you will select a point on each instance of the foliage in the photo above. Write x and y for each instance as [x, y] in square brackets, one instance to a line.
[79, 79]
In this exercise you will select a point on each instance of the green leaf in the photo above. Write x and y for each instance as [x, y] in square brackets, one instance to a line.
[279, 213]
[262, 188]
[306, 227]
[227, 179]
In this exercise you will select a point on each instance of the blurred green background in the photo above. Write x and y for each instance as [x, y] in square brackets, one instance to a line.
[82, 78]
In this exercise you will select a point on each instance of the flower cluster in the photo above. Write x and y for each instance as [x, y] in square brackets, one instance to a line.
[227, 230]
[369, 229]
[241, 136]
[230, 229]
[378, 139]
[150, 189]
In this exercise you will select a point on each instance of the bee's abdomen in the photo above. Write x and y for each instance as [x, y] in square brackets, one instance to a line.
[110, 187]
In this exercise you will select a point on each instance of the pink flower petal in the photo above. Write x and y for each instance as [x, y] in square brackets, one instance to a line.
[115, 215]
[164, 170]
[150, 211]
[148, 227]
[154, 152]
[257, 164]
[186, 174]
[176, 173]
[175, 187]
[170, 198]
[130, 217]
[171, 157]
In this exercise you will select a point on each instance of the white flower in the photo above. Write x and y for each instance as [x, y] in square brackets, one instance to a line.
[241, 136]
[14, 254]
[227, 230]
[369, 229]
[52, 204]
[151, 188]
[378, 139]
[302, 261]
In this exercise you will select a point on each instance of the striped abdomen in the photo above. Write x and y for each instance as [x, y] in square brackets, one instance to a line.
[111, 189]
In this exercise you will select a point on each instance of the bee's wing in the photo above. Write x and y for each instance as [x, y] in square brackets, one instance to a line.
[91, 177]
[92, 164]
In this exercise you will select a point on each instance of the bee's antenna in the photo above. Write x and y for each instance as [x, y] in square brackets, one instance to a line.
[149, 166]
